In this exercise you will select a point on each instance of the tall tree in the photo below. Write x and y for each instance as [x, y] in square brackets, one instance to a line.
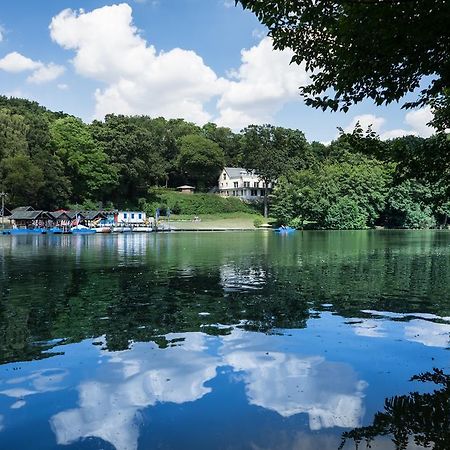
[361, 49]
[266, 152]
[200, 160]
[85, 163]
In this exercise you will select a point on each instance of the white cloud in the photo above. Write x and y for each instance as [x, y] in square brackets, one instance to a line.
[265, 81]
[416, 120]
[366, 120]
[46, 73]
[177, 83]
[15, 62]
[41, 73]
[63, 86]
[108, 48]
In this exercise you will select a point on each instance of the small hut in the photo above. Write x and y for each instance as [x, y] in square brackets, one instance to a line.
[61, 219]
[76, 217]
[30, 219]
[92, 218]
[185, 189]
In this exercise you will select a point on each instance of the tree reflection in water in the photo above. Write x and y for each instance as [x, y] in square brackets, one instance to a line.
[422, 417]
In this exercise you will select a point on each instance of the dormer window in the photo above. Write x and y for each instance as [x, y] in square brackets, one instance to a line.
[224, 176]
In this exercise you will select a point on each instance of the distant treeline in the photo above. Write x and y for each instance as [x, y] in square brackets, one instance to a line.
[51, 160]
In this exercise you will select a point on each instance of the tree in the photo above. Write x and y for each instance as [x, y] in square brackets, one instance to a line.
[13, 133]
[228, 141]
[22, 179]
[86, 164]
[266, 152]
[200, 159]
[346, 195]
[362, 49]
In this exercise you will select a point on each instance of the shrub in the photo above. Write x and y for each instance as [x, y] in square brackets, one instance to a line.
[345, 214]
[257, 222]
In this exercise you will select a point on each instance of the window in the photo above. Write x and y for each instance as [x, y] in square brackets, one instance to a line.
[254, 193]
[125, 215]
[246, 183]
[256, 184]
[132, 215]
[139, 216]
[224, 176]
[236, 184]
[242, 193]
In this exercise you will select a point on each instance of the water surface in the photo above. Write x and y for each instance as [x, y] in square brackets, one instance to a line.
[225, 340]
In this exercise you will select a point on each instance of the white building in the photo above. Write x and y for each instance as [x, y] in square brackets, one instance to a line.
[239, 182]
[131, 218]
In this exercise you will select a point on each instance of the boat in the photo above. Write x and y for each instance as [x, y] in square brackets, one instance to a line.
[25, 231]
[81, 229]
[102, 229]
[55, 230]
[142, 229]
[284, 230]
[122, 229]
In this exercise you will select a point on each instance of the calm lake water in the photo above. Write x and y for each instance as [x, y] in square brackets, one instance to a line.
[225, 341]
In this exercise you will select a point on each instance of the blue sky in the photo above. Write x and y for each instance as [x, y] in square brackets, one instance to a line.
[198, 59]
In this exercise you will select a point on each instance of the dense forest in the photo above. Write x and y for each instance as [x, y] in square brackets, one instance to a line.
[52, 160]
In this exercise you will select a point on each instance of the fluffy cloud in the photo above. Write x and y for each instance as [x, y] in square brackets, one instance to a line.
[46, 73]
[416, 120]
[108, 48]
[41, 73]
[140, 80]
[264, 82]
[15, 62]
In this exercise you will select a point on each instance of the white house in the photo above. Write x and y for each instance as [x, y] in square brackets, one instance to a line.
[239, 182]
[131, 217]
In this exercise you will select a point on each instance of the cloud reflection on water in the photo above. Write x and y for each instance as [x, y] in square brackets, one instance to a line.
[284, 382]
[290, 384]
[132, 380]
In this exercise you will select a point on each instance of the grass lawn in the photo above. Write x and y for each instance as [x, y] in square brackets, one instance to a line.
[225, 221]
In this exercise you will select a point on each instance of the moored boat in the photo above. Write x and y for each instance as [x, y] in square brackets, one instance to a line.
[102, 229]
[55, 230]
[142, 230]
[81, 229]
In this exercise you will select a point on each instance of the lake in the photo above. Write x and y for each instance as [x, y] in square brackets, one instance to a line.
[248, 340]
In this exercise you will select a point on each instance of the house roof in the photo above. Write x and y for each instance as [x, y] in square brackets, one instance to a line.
[22, 208]
[185, 186]
[74, 214]
[62, 215]
[237, 172]
[28, 215]
[92, 215]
